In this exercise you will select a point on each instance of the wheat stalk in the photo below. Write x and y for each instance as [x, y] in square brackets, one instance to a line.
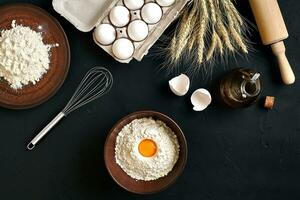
[213, 46]
[222, 31]
[231, 12]
[215, 38]
[237, 38]
[193, 35]
[220, 45]
[232, 22]
[173, 47]
[184, 32]
[191, 44]
[181, 37]
[202, 29]
[235, 12]
[212, 11]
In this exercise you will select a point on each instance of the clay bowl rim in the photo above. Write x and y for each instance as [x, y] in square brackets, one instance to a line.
[68, 56]
[182, 143]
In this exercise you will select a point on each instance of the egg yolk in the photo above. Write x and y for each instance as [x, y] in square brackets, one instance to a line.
[147, 148]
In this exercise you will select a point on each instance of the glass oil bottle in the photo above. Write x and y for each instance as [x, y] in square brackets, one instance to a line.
[240, 88]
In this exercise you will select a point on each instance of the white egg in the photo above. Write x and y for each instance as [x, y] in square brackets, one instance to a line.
[201, 99]
[105, 34]
[165, 2]
[180, 85]
[151, 13]
[119, 16]
[134, 4]
[123, 48]
[137, 30]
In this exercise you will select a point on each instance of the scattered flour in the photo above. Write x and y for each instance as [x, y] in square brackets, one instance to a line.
[24, 58]
[146, 168]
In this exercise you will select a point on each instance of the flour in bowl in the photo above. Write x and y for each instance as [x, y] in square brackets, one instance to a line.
[146, 149]
[24, 58]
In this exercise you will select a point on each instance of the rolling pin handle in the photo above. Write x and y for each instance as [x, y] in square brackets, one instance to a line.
[286, 71]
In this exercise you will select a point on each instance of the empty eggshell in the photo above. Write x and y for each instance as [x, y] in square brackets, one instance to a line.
[200, 99]
[119, 16]
[151, 13]
[165, 3]
[105, 34]
[137, 30]
[123, 48]
[180, 85]
[134, 4]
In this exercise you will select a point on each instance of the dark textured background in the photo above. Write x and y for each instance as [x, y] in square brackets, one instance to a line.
[233, 154]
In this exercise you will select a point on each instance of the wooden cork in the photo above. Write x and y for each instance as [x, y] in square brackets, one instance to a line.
[269, 102]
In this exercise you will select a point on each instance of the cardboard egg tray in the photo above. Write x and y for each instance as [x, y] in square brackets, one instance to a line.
[88, 14]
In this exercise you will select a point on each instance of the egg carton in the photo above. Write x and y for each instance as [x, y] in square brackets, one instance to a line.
[125, 29]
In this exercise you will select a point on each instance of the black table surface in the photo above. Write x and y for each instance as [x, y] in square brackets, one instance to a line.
[233, 154]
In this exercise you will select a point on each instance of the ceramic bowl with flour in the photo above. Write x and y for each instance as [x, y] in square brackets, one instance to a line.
[32, 68]
[145, 152]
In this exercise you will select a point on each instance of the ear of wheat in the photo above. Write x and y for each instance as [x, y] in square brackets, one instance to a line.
[209, 28]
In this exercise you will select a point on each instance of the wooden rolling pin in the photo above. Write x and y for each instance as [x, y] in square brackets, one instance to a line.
[273, 31]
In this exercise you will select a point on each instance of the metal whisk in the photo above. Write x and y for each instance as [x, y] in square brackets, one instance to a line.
[96, 83]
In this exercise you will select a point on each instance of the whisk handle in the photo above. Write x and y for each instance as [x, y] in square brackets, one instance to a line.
[41, 134]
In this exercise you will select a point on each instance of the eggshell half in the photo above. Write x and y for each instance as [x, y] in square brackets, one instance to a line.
[201, 99]
[180, 85]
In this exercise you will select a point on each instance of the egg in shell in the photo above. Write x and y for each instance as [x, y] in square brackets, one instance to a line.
[138, 30]
[105, 34]
[119, 16]
[151, 13]
[201, 99]
[134, 4]
[123, 48]
[180, 85]
[165, 3]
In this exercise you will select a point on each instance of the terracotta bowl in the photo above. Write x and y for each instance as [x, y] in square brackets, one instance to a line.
[136, 186]
[40, 21]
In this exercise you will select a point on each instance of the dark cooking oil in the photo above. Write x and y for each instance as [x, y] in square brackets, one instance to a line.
[240, 88]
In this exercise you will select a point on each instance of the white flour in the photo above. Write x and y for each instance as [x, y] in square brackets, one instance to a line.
[133, 163]
[24, 58]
